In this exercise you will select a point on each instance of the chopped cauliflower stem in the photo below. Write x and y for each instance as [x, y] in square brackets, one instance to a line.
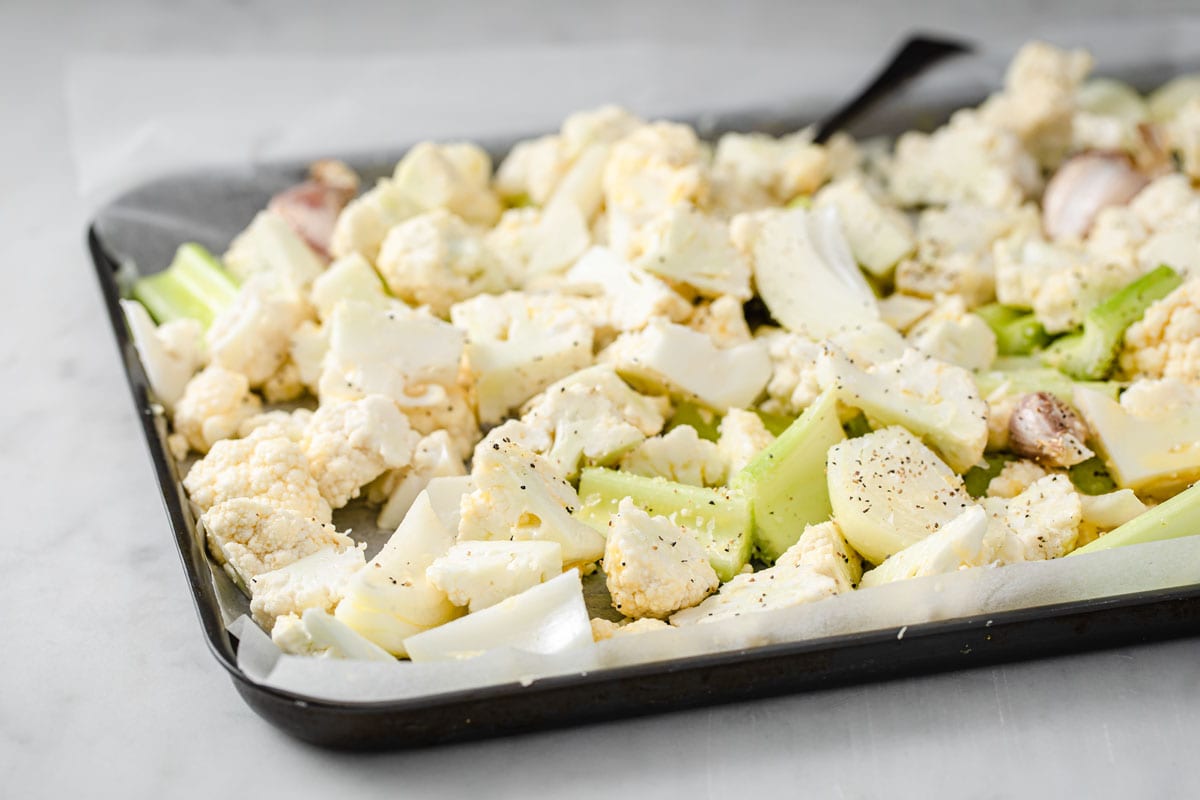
[631, 374]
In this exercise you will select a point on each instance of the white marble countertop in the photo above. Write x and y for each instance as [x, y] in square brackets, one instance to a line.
[108, 687]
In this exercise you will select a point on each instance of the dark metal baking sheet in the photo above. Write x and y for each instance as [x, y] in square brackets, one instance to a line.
[138, 233]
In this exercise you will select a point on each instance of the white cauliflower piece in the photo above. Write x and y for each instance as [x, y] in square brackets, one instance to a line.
[1168, 200]
[654, 567]
[436, 456]
[268, 469]
[633, 297]
[690, 247]
[793, 386]
[722, 320]
[1045, 517]
[799, 576]
[953, 334]
[531, 170]
[673, 358]
[1116, 235]
[751, 171]
[1183, 134]
[253, 334]
[307, 349]
[481, 574]
[250, 536]
[742, 436]
[653, 168]
[902, 311]
[965, 161]
[606, 124]
[454, 176]
[290, 424]
[317, 634]
[679, 455]
[399, 354]
[214, 405]
[879, 236]
[1059, 282]
[937, 401]
[1014, 478]
[1038, 100]
[519, 496]
[170, 353]
[604, 629]
[436, 259]
[445, 409]
[349, 278]
[285, 385]
[536, 245]
[646, 413]
[518, 345]
[316, 581]
[364, 223]
[1165, 343]
[825, 549]
[954, 249]
[352, 443]
[269, 244]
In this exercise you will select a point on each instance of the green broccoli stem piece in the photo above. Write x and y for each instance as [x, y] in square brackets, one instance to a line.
[195, 286]
[1092, 477]
[718, 518]
[1089, 354]
[1018, 333]
[786, 483]
[1174, 519]
[1043, 379]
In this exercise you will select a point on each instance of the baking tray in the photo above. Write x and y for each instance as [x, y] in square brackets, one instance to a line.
[139, 231]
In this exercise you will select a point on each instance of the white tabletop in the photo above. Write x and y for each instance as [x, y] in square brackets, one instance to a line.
[108, 689]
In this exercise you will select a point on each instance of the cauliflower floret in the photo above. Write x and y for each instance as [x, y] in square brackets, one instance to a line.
[214, 405]
[937, 401]
[722, 320]
[902, 311]
[1059, 282]
[536, 245]
[452, 176]
[317, 634]
[679, 455]
[250, 536]
[350, 444]
[436, 456]
[1183, 133]
[1149, 399]
[519, 496]
[1166, 201]
[269, 244]
[966, 541]
[793, 385]
[364, 223]
[654, 567]
[799, 576]
[668, 357]
[481, 574]
[1038, 100]
[952, 334]
[603, 125]
[879, 236]
[285, 385]
[965, 161]
[1165, 343]
[742, 436]
[170, 353]
[825, 549]
[531, 170]
[253, 334]
[307, 349]
[1115, 235]
[632, 296]
[436, 259]
[315, 581]
[578, 419]
[1014, 478]
[518, 345]
[686, 245]
[1045, 517]
[289, 424]
[652, 169]
[400, 354]
[445, 409]
[603, 629]
[267, 468]
[349, 278]
[954, 250]
[753, 170]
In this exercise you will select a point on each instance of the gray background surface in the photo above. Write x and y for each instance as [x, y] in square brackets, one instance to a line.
[107, 689]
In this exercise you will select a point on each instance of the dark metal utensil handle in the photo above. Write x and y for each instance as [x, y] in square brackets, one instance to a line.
[915, 56]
